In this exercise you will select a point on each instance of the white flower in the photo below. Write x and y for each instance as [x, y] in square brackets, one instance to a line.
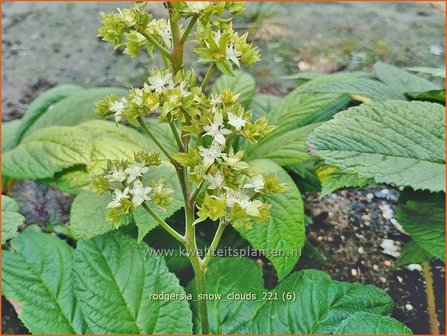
[159, 81]
[211, 154]
[140, 193]
[236, 121]
[216, 129]
[118, 107]
[135, 170]
[197, 6]
[233, 54]
[215, 180]
[215, 100]
[117, 197]
[257, 183]
[252, 207]
[116, 175]
[234, 197]
[138, 97]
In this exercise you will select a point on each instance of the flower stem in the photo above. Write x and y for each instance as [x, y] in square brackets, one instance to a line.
[164, 225]
[163, 50]
[188, 29]
[177, 137]
[196, 191]
[177, 46]
[214, 243]
[431, 308]
[158, 143]
[208, 76]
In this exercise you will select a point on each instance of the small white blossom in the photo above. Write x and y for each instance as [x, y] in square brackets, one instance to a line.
[197, 6]
[216, 180]
[135, 170]
[118, 107]
[233, 54]
[116, 175]
[257, 183]
[138, 97]
[140, 193]
[216, 129]
[234, 197]
[117, 197]
[158, 81]
[252, 207]
[215, 100]
[211, 154]
[236, 121]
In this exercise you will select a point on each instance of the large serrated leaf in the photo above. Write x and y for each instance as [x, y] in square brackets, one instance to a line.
[9, 134]
[394, 142]
[402, 80]
[43, 103]
[422, 215]
[73, 110]
[37, 279]
[11, 218]
[241, 83]
[114, 278]
[412, 253]
[284, 232]
[307, 302]
[367, 324]
[263, 104]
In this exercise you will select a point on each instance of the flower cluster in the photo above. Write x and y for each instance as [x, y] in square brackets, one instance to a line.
[129, 189]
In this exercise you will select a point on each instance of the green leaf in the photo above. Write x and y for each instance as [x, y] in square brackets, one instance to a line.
[44, 103]
[307, 302]
[263, 104]
[307, 177]
[422, 215]
[435, 96]
[298, 109]
[333, 179]
[88, 215]
[11, 218]
[114, 279]
[144, 221]
[435, 72]
[284, 232]
[9, 134]
[367, 324]
[38, 280]
[241, 83]
[285, 147]
[394, 142]
[412, 253]
[230, 276]
[401, 80]
[72, 110]
[46, 152]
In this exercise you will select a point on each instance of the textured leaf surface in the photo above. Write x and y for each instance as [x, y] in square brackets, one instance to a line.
[9, 134]
[402, 80]
[46, 152]
[393, 142]
[435, 96]
[44, 103]
[38, 280]
[285, 230]
[319, 307]
[114, 279]
[73, 110]
[144, 221]
[435, 72]
[367, 324]
[11, 218]
[241, 83]
[263, 104]
[88, 215]
[333, 179]
[423, 217]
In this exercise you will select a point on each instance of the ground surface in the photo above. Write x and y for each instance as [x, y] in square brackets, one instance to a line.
[45, 44]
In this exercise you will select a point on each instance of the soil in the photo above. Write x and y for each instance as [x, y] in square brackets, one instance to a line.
[348, 226]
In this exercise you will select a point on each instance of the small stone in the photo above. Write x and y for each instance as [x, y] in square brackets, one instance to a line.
[414, 267]
[400, 279]
[369, 197]
[389, 247]
[320, 238]
[382, 279]
[387, 263]
[361, 250]
[354, 272]
[375, 267]
[303, 66]
[408, 307]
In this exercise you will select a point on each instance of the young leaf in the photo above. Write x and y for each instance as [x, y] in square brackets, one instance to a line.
[114, 278]
[38, 280]
[422, 215]
[367, 324]
[393, 142]
[73, 110]
[11, 218]
[241, 83]
[284, 232]
[402, 80]
[43, 103]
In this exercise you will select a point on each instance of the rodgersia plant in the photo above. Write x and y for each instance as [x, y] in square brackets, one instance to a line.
[217, 184]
